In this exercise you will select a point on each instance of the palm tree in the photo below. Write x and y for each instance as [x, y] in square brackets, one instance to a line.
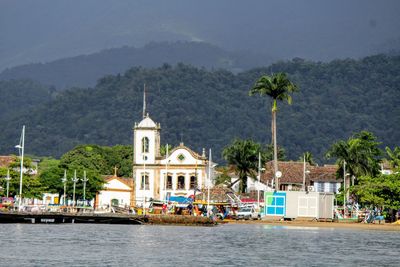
[308, 157]
[394, 157]
[278, 87]
[242, 155]
[360, 152]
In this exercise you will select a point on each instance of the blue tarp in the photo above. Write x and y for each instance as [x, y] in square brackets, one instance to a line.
[180, 199]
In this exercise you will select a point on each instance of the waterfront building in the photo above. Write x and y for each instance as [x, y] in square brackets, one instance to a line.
[117, 191]
[156, 176]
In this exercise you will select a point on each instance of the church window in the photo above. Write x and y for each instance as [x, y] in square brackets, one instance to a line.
[181, 182]
[144, 183]
[169, 182]
[145, 145]
[193, 182]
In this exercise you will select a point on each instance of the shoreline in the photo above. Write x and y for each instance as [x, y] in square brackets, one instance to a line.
[356, 226]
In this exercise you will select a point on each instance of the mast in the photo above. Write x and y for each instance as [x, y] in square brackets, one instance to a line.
[258, 180]
[166, 173]
[208, 185]
[144, 101]
[20, 147]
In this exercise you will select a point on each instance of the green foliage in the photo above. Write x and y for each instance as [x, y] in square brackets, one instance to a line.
[50, 175]
[32, 187]
[268, 153]
[394, 157]
[18, 96]
[163, 149]
[212, 108]
[308, 157]
[276, 86]
[95, 160]
[223, 177]
[380, 191]
[242, 155]
[360, 152]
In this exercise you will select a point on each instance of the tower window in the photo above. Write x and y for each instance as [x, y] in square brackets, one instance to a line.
[145, 145]
[144, 183]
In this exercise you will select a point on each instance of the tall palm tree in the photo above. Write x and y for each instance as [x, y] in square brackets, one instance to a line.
[277, 87]
[242, 155]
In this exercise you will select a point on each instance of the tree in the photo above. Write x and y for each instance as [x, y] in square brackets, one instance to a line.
[95, 160]
[223, 177]
[394, 157]
[31, 184]
[360, 152]
[242, 155]
[381, 191]
[308, 157]
[278, 87]
[50, 174]
[163, 149]
[268, 153]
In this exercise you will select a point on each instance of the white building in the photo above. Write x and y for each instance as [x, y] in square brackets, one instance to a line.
[159, 177]
[117, 191]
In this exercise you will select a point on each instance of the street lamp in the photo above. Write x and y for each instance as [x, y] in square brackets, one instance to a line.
[64, 181]
[74, 180]
[8, 178]
[20, 147]
[259, 179]
[84, 180]
[211, 166]
[344, 188]
[305, 172]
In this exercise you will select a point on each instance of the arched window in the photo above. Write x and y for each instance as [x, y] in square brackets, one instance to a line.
[193, 182]
[144, 183]
[145, 145]
[169, 182]
[181, 182]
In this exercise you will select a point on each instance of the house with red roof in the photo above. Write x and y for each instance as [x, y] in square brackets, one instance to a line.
[315, 178]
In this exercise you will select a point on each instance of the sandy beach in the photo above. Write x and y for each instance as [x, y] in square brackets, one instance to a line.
[357, 226]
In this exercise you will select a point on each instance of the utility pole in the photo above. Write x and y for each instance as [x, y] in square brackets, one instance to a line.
[8, 178]
[344, 188]
[64, 181]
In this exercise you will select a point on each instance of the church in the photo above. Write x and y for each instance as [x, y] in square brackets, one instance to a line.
[178, 173]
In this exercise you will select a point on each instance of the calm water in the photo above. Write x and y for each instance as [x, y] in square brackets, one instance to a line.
[226, 245]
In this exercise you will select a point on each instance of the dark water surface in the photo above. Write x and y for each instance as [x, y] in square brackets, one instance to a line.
[225, 245]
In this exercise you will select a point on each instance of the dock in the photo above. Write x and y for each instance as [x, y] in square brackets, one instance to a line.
[103, 218]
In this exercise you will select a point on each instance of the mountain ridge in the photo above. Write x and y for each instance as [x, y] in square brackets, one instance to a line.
[210, 108]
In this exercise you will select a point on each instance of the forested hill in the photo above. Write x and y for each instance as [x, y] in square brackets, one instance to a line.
[85, 70]
[210, 108]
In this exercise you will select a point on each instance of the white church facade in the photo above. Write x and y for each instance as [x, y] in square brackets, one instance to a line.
[178, 173]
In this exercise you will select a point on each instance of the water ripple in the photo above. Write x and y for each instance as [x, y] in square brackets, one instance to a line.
[226, 245]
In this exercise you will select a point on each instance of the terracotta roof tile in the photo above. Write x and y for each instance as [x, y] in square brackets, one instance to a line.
[292, 172]
[5, 161]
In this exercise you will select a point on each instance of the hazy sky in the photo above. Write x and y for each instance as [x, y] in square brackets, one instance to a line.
[44, 30]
